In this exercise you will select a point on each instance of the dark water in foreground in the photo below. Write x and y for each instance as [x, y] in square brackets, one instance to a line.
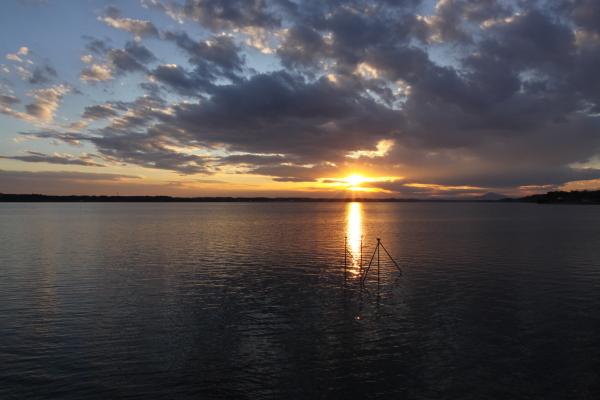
[498, 301]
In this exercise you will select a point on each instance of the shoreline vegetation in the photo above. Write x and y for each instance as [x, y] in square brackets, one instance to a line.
[558, 197]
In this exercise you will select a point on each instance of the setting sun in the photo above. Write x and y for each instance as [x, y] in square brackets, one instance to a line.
[355, 180]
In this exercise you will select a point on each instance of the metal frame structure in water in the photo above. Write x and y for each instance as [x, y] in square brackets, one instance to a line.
[363, 277]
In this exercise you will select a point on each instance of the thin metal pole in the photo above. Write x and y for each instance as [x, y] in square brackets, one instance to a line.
[345, 255]
[368, 266]
[378, 244]
[361, 238]
[391, 258]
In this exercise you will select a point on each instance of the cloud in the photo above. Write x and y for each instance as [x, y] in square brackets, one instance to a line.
[43, 107]
[71, 138]
[452, 18]
[27, 69]
[460, 97]
[383, 147]
[293, 179]
[64, 175]
[181, 81]
[150, 151]
[67, 182]
[277, 113]
[95, 45]
[220, 14]
[134, 57]
[100, 111]
[19, 55]
[46, 101]
[137, 27]
[56, 158]
[8, 100]
[285, 114]
[252, 159]
[42, 75]
[96, 73]
[212, 59]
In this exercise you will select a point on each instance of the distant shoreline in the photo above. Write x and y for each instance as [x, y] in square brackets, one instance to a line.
[574, 197]
[40, 198]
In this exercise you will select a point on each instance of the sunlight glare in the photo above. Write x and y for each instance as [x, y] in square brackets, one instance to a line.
[355, 180]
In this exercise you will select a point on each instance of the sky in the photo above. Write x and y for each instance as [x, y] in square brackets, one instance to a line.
[406, 98]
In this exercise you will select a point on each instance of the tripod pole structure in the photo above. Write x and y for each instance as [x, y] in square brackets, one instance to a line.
[368, 268]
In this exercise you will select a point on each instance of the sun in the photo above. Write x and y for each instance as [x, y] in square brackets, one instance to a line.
[355, 180]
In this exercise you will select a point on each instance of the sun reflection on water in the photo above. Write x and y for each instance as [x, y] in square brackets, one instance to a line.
[354, 236]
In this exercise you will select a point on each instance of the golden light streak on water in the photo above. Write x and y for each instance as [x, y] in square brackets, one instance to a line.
[354, 236]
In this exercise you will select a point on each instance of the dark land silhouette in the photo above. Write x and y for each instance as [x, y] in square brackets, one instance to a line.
[558, 197]
[561, 197]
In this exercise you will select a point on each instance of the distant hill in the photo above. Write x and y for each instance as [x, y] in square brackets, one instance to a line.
[574, 197]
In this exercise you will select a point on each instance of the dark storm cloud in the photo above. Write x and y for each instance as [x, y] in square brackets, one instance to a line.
[345, 33]
[282, 113]
[534, 40]
[302, 46]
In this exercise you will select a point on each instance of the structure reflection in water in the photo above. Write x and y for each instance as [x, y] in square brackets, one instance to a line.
[354, 233]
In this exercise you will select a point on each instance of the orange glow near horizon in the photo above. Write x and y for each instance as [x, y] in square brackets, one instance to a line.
[355, 182]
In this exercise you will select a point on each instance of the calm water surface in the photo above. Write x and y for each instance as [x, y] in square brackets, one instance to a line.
[232, 300]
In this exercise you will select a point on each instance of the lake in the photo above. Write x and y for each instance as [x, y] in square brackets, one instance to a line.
[248, 300]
